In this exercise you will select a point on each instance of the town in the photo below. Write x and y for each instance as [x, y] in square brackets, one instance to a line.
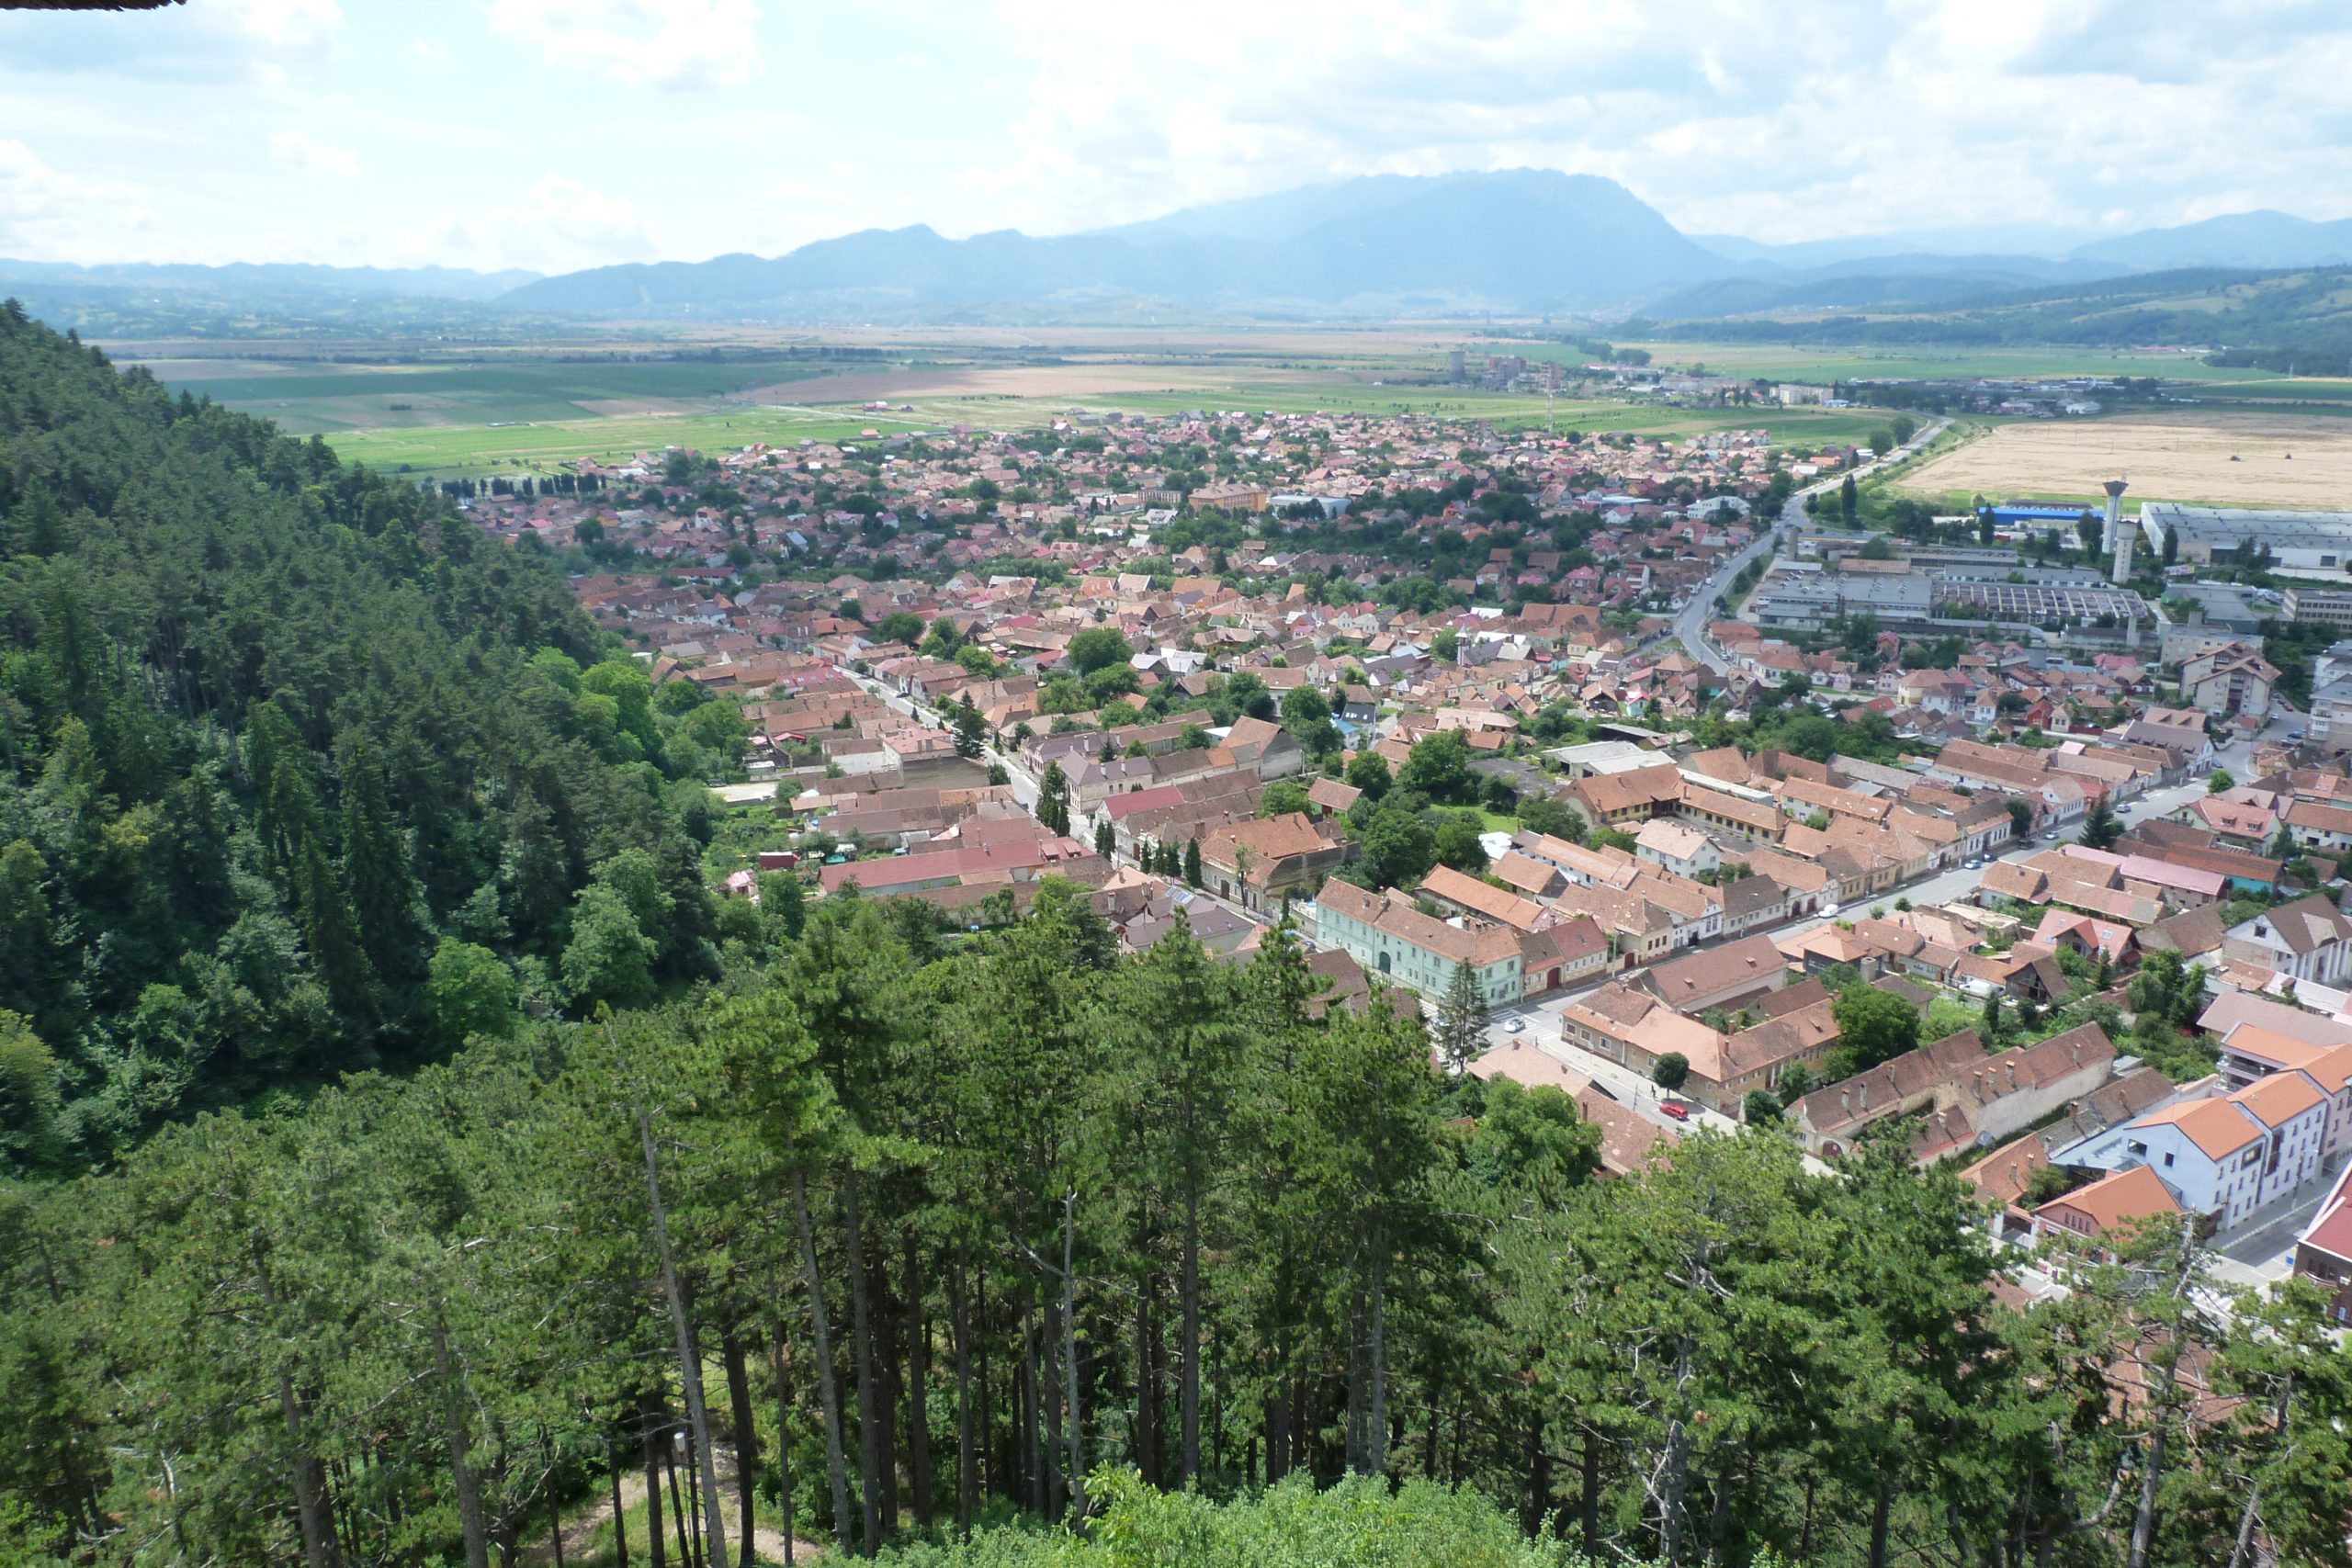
[1632, 766]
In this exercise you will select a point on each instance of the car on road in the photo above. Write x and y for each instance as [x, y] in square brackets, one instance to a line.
[1976, 865]
[1829, 910]
[1515, 1026]
[1676, 1109]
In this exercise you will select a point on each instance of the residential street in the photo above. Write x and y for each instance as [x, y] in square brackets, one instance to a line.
[1541, 1017]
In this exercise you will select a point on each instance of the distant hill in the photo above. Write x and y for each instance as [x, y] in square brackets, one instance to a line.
[2261, 240]
[2290, 319]
[137, 300]
[1903, 282]
[273, 277]
[1523, 240]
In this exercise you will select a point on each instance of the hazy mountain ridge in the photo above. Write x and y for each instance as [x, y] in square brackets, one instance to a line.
[422, 282]
[1528, 240]
[1522, 241]
[2290, 319]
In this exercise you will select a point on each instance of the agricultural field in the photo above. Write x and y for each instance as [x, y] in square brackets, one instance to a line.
[450, 411]
[328, 396]
[1788, 362]
[2219, 459]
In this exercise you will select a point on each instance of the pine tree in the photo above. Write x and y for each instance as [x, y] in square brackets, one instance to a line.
[1192, 861]
[385, 899]
[1106, 839]
[1053, 799]
[1461, 1029]
[971, 730]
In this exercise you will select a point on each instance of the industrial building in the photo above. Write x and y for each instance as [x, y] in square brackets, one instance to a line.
[2038, 602]
[1801, 596]
[2036, 516]
[2203, 535]
[2318, 606]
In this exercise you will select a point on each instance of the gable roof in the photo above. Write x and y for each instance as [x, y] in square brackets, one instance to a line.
[2115, 1201]
[1753, 962]
[2218, 1128]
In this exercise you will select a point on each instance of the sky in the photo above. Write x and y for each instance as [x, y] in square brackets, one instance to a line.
[559, 134]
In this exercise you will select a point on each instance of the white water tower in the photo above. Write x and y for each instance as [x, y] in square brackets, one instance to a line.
[2119, 538]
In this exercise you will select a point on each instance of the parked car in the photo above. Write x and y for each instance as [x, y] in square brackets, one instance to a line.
[1514, 1026]
[1677, 1110]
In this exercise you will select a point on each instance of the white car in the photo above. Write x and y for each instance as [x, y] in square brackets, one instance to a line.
[1828, 910]
[1515, 1026]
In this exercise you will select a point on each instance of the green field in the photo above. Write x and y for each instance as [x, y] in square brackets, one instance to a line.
[449, 410]
[310, 397]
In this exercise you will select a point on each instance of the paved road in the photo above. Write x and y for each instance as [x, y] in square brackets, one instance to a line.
[1025, 788]
[1691, 622]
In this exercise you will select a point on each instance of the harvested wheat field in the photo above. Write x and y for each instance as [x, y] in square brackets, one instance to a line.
[2226, 460]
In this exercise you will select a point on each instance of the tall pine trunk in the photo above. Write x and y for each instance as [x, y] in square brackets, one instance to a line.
[917, 1351]
[682, 1327]
[783, 1446]
[456, 1437]
[1148, 1414]
[1190, 1391]
[620, 1516]
[747, 1440]
[828, 1386]
[320, 1548]
[1069, 1356]
[1376, 1370]
[966, 1459]
[647, 1426]
[860, 1324]
[677, 1503]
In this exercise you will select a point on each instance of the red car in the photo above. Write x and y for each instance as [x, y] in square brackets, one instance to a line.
[1676, 1109]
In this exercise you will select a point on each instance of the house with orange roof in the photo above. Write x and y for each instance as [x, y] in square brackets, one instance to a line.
[2108, 1206]
[2228, 1157]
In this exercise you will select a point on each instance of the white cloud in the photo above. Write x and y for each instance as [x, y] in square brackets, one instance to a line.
[286, 24]
[212, 40]
[1720, 112]
[659, 43]
[297, 148]
[583, 224]
[47, 214]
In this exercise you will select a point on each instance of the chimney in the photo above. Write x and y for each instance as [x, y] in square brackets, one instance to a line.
[1864, 1090]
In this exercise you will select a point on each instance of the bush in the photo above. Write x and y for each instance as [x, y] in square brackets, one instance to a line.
[1357, 1524]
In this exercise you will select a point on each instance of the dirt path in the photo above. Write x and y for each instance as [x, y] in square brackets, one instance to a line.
[580, 1526]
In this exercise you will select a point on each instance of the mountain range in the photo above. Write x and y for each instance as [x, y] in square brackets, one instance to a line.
[1519, 241]
[1513, 241]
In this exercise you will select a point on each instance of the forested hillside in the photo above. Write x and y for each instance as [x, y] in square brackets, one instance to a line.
[294, 766]
[971, 1218]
